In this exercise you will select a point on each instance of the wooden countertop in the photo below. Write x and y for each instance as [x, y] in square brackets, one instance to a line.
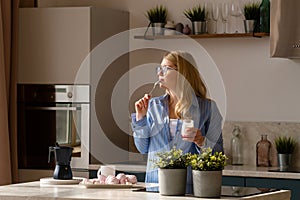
[34, 191]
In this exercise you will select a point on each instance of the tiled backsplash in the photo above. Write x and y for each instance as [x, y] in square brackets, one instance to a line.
[251, 133]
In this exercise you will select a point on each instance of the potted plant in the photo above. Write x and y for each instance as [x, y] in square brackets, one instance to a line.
[285, 146]
[197, 15]
[207, 168]
[157, 17]
[251, 13]
[172, 171]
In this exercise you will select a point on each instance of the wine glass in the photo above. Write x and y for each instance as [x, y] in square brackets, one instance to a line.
[225, 14]
[207, 7]
[215, 14]
[236, 11]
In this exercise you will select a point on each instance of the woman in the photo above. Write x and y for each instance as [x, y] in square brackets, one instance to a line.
[157, 122]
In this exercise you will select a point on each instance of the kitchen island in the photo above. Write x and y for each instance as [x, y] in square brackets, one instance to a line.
[35, 191]
[241, 176]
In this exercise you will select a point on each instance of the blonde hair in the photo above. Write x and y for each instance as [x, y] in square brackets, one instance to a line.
[189, 81]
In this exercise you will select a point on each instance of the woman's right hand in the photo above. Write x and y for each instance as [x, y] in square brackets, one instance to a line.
[141, 107]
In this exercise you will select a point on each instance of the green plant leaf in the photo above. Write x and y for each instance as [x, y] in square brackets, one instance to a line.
[157, 14]
[252, 10]
[196, 13]
[285, 145]
[173, 159]
[207, 161]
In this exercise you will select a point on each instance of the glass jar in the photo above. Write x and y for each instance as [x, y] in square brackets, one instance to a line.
[236, 147]
[263, 152]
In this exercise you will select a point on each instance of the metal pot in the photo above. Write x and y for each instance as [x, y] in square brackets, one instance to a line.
[157, 28]
[284, 160]
[199, 27]
[249, 26]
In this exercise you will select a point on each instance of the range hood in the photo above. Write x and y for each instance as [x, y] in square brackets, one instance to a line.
[285, 29]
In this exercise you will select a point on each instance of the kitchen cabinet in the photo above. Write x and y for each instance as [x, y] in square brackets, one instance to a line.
[54, 41]
[288, 184]
[233, 181]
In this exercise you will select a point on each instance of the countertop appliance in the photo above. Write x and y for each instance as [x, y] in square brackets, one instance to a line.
[285, 29]
[50, 114]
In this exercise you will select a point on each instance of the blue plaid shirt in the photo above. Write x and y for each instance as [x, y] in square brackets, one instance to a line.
[152, 133]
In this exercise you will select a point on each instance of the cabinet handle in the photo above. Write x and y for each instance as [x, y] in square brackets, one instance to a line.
[52, 108]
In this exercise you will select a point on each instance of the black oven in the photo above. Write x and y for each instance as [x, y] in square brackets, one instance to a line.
[48, 114]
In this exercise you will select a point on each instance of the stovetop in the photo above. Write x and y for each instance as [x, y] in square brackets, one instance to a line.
[227, 191]
[233, 191]
[291, 169]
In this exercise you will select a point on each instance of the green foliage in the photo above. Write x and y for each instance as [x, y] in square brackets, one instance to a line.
[206, 161]
[157, 14]
[285, 145]
[252, 10]
[196, 13]
[173, 159]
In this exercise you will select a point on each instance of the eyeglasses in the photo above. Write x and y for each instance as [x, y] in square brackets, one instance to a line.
[163, 69]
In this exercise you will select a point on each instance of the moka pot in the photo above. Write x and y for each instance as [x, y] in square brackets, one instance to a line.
[62, 156]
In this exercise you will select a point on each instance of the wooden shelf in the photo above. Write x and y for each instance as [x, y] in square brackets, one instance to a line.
[222, 35]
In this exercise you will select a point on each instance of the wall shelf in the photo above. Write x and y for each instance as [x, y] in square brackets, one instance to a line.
[222, 35]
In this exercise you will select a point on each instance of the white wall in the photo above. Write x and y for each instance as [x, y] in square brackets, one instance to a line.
[259, 88]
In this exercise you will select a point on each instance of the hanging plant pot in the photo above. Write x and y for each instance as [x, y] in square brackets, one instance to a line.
[172, 181]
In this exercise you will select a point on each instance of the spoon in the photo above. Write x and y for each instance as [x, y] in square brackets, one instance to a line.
[155, 84]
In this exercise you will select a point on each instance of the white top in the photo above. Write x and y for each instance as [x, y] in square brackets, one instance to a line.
[173, 125]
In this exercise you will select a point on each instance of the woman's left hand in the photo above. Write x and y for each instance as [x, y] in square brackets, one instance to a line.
[194, 135]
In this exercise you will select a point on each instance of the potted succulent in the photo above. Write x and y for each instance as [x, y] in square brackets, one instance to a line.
[251, 13]
[285, 146]
[207, 168]
[197, 15]
[172, 171]
[157, 17]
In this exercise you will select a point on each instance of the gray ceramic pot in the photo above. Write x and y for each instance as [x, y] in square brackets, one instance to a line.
[207, 183]
[172, 181]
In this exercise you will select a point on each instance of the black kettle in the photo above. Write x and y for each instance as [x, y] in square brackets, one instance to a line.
[62, 156]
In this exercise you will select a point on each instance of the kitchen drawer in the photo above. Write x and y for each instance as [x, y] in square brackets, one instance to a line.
[233, 181]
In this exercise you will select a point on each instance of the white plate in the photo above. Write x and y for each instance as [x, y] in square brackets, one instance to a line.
[52, 181]
[112, 186]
